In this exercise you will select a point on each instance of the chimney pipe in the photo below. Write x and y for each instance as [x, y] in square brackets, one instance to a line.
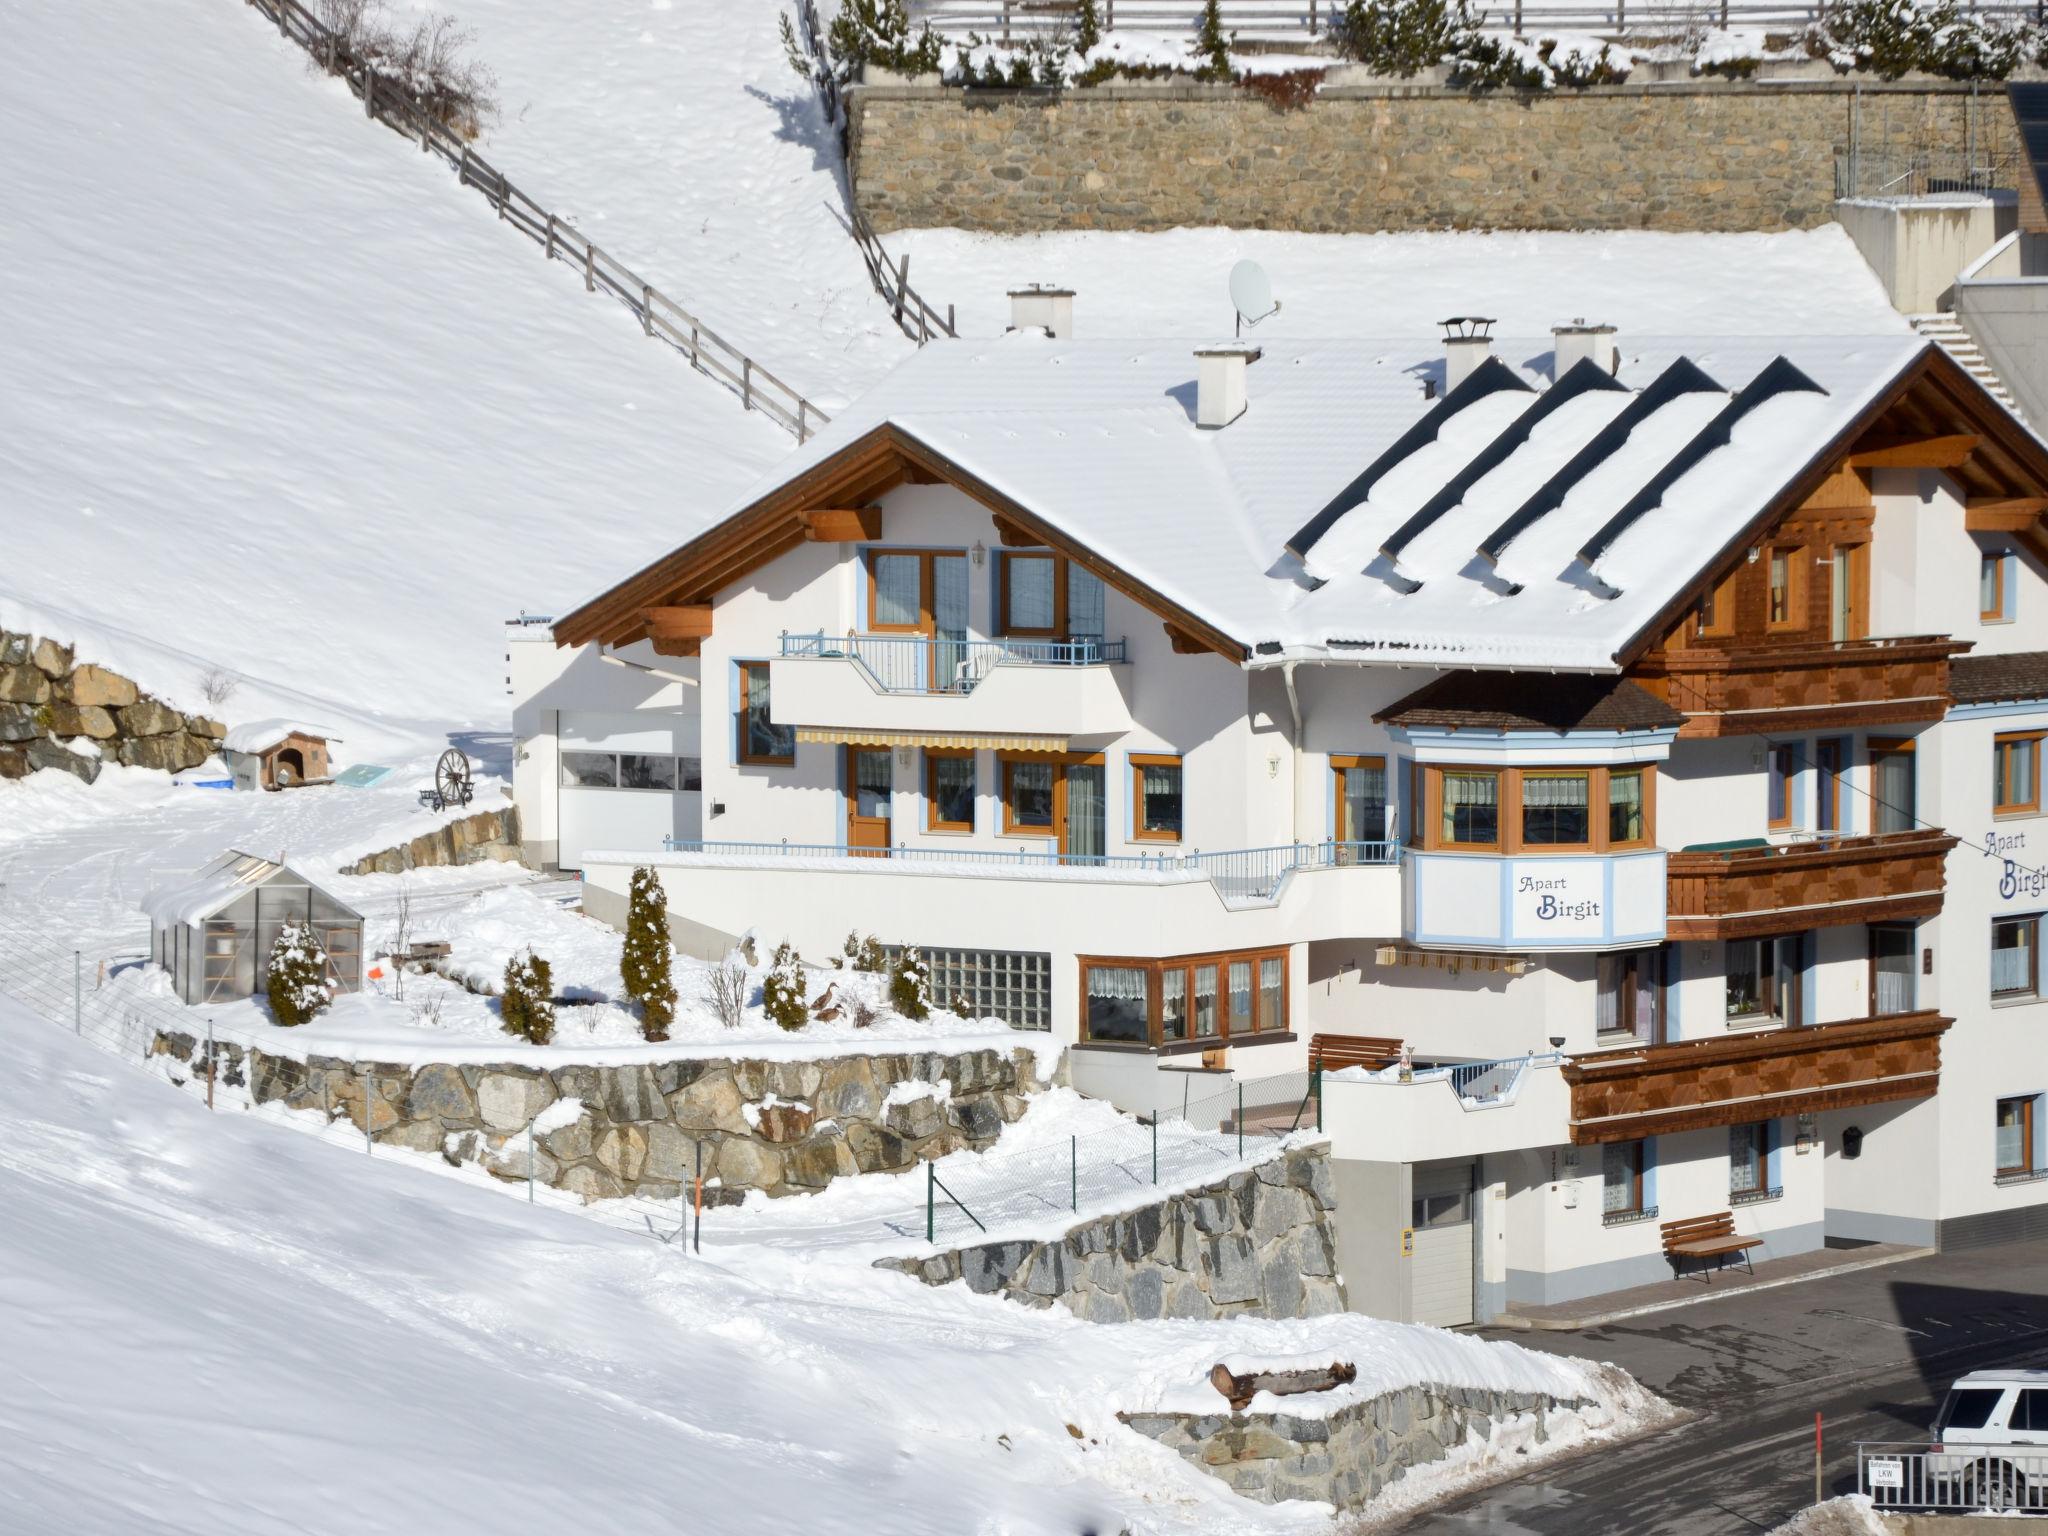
[1221, 394]
[1573, 343]
[1042, 307]
[1468, 342]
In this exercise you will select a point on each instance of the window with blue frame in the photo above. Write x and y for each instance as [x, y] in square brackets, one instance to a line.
[1621, 1179]
[1749, 1161]
[761, 740]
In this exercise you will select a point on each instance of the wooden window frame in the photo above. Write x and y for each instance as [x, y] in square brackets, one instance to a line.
[1783, 1007]
[1796, 617]
[1617, 963]
[932, 757]
[1340, 764]
[1007, 630]
[1877, 748]
[1060, 762]
[1140, 761]
[1425, 814]
[1858, 608]
[1155, 969]
[2003, 799]
[1714, 613]
[1635, 1205]
[1872, 931]
[2026, 1104]
[1790, 777]
[2002, 613]
[1762, 1186]
[1827, 786]
[2032, 991]
[746, 754]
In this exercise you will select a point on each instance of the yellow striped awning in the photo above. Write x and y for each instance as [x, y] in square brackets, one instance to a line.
[861, 736]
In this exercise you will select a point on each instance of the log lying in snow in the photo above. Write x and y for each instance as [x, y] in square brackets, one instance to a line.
[1242, 1389]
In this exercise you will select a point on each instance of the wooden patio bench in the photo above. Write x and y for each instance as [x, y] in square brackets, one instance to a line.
[1706, 1237]
[1332, 1053]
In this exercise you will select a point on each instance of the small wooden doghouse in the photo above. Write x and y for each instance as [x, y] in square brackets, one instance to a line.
[214, 932]
[276, 754]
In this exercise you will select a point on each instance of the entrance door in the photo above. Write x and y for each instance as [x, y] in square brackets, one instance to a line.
[870, 774]
[1440, 1267]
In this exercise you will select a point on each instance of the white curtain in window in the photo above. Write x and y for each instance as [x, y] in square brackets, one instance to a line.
[1240, 990]
[1030, 581]
[1117, 983]
[1365, 804]
[1085, 604]
[1084, 812]
[1894, 969]
[1542, 793]
[898, 584]
[1272, 994]
[1625, 805]
[2012, 1130]
[1744, 1155]
[1894, 791]
[1607, 994]
[1173, 1004]
[2011, 957]
[1618, 1176]
[1646, 996]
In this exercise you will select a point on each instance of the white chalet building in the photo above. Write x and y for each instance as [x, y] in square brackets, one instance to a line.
[1646, 732]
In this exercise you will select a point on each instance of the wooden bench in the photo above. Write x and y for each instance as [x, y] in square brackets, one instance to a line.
[1332, 1053]
[1706, 1237]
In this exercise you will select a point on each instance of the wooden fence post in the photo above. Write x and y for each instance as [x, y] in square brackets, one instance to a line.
[551, 236]
[647, 309]
[747, 382]
[369, 92]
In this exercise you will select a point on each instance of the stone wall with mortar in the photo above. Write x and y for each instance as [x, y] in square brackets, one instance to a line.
[1348, 1456]
[1712, 155]
[1257, 1242]
[786, 1127]
[483, 837]
[49, 698]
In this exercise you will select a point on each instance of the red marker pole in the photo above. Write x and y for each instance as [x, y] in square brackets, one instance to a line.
[1816, 1457]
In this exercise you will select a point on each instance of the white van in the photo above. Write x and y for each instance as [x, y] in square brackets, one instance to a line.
[1992, 1439]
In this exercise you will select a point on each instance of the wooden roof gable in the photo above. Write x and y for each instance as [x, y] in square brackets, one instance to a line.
[668, 602]
[1935, 416]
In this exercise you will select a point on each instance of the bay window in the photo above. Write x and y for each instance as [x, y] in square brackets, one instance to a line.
[1456, 806]
[1471, 808]
[1187, 1000]
[1555, 810]
[2015, 958]
[1626, 824]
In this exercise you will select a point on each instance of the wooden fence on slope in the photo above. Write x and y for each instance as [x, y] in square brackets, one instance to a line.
[389, 101]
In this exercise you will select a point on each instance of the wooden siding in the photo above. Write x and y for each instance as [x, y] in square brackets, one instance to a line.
[1802, 687]
[1739, 1078]
[1746, 892]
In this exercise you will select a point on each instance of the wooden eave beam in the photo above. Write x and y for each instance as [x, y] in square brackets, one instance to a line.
[841, 525]
[1013, 537]
[1948, 452]
[687, 621]
[2006, 514]
[676, 645]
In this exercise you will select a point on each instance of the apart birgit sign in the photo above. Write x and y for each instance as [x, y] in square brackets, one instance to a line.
[1559, 899]
[2017, 876]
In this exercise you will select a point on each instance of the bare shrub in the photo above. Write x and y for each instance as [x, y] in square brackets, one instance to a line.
[429, 58]
[217, 687]
[726, 989]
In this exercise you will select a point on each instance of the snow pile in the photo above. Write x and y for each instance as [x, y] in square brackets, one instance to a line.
[1851, 1515]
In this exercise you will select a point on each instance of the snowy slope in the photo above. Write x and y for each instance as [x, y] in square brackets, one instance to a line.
[675, 134]
[277, 393]
[215, 1327]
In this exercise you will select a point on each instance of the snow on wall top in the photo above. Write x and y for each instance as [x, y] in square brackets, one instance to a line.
[262, 735]
[1098, 437]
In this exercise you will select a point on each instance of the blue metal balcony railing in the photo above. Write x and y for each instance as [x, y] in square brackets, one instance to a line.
[915, 664]
[1242, 876]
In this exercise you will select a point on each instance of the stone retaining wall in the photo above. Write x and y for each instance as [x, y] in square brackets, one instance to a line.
[787, 1127]
[48, 698]
[1694, 156]
[478, 839]
[1349, 1456]
[1257, 1242]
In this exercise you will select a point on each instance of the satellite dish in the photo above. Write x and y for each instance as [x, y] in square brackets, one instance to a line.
[1252, 292]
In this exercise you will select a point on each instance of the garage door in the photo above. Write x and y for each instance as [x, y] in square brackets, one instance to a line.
[627, 782]
[1440, 1268]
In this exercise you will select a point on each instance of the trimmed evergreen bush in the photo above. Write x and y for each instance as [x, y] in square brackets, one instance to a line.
[1404, 37]
[644, 962]
[864, 955]
[1212, 47]
[298, 976]
[910, 984]
[528, 1005]
[785, 989]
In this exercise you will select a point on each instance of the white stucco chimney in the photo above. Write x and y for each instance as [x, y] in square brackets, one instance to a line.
[1221, 394]
[1572, 344]
[1468, 342]
[1045, 308]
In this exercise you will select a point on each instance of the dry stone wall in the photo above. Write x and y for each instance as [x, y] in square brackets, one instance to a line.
[486, 836]
[1693, 156]
[1348, 1456]
[50, 700]
[786, 1127]
[1257, 1242]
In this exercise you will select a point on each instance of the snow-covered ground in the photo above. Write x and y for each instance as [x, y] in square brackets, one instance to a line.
[363, 1337]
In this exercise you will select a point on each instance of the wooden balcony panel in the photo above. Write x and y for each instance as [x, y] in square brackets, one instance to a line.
[1807, 686]
[1747, 892]
[1740, 1078]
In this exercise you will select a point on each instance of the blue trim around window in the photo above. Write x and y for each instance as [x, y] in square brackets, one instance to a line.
[1649, 1173]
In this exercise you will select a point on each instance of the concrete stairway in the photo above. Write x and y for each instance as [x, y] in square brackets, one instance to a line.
[1953, 337]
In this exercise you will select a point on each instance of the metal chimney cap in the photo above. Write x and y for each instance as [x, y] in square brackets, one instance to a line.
[1467, 327]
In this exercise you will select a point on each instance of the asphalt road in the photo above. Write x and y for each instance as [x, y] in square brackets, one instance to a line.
[1873, 1352]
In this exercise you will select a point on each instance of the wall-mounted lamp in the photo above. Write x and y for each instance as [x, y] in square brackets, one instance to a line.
[1273, 765]
[1755, 554]
[980, 553]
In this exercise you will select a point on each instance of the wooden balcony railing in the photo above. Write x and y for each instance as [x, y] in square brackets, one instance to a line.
[1892, 681]
[1738, 893]
[1735, 1079]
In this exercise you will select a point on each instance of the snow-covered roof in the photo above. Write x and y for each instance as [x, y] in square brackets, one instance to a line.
[217, 884]
[1595, 512]
[262, 735]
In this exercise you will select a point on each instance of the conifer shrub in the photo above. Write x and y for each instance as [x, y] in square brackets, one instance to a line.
[528, 1004]
[785, 989]
[1402, 38]
[297, 988]
[864, 955]
[1212, 47]
[644, 963]
[910, 984]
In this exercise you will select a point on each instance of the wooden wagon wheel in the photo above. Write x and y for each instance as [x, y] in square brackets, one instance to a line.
[451, 779]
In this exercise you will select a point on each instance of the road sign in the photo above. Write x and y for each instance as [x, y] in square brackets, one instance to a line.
[1885, 1472]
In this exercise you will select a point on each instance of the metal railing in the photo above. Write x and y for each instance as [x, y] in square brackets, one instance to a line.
[388, 100]
[914, 664]
[1242, 876]
[1963, 1479]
